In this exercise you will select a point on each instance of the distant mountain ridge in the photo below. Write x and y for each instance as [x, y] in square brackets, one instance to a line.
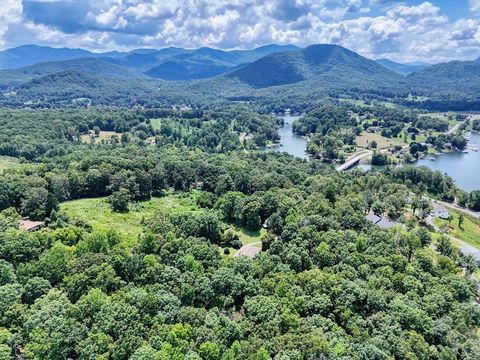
[449, 77]
[88, 66]
[169, 63]
[28, 55]
[399, 68]
[285, 72]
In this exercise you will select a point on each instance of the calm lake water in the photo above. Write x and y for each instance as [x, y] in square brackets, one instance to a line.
[464, 168]
[293, 144]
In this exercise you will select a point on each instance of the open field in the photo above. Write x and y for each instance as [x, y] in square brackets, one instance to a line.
[156, 123]
[366, 138]
[248, 236]
[99, 215]
[104, 135]
[9, 163]
[470, 232]
[387, 104]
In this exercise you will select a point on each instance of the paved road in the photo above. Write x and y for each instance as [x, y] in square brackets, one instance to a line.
[471, 213]
[354, 159]
[464, 247]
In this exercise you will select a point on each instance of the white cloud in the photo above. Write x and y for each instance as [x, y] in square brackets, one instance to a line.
[10, 13]
[375, 28]
[475, 5]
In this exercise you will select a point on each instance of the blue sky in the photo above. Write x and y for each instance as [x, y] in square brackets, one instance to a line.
[435, 30]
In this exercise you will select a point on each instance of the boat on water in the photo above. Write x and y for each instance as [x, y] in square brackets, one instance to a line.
[432, 159]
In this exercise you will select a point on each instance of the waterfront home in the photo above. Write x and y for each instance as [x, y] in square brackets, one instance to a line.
[438, 210]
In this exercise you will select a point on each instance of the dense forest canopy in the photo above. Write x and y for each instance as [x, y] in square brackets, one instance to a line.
[327, 283]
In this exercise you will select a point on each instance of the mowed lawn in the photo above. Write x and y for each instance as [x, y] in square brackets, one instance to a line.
[248, 236]
[470, 231]
[156, 123]
[97, 212]
[366, 138]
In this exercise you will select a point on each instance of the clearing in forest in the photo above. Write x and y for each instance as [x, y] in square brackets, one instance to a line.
[99, 215]
[365, 139]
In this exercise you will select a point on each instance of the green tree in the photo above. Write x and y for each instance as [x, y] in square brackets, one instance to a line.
[461, 219]
[120, 200]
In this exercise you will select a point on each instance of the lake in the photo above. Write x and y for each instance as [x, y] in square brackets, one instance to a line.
[463, 168]
[293, 144]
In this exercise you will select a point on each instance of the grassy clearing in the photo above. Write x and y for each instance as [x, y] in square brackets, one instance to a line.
[248, 236]
[156, 123]
[366, 138]
[470, 231]
[99, 215]
[11, 163]
[103, 135]
[7, 163]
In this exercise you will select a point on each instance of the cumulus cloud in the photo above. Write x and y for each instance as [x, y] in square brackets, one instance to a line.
[475, 6]
[375, 28]
[10, 13]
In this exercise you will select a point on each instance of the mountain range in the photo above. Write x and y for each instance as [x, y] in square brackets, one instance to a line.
[167, 64]
[403, 69]
[320, 62]
[273, 70]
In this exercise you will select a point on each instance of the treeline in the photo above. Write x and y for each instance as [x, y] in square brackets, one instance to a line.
[35, 134]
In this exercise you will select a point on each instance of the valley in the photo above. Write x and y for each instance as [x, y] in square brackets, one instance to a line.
[206, 204]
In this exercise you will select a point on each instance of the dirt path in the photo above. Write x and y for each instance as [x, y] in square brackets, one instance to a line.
[453, 129]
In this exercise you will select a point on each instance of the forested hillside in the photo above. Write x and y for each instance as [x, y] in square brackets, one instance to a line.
[322, 62]
[402, 69]
[141, 266]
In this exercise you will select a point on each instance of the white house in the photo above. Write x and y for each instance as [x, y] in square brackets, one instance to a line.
[438, 210]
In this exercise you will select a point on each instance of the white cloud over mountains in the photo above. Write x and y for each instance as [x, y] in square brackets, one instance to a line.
[375, 28]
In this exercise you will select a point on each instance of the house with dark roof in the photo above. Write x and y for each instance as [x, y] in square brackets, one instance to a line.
[381, 221]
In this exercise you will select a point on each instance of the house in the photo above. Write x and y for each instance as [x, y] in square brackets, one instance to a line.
[30, 225]
[248, 250]
[381, 221]
[438, 210]
[470, 250]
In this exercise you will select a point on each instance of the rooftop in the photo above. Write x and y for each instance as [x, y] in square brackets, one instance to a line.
[30, 225]
[470, 250]
[381, 221]
[248, 250]
[437, 207]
